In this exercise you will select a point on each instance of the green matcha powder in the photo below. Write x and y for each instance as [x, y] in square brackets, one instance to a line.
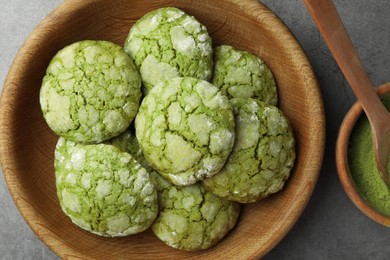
[362, 165]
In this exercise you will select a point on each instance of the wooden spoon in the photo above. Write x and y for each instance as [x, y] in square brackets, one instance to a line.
[325, 15]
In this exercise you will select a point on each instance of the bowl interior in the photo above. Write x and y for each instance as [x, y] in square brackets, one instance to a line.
[27, 144]
[345, 177]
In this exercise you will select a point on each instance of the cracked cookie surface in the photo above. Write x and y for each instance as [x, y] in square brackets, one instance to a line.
[91, 91]
[104, 190]
[168, 43]
[185, 128]
[190, 217]
[240, 74]
[127, 142]
[262, 157]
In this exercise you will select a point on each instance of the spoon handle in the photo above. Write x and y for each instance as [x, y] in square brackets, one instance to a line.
[325, 15]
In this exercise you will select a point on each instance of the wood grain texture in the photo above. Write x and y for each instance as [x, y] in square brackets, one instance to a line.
[27, 144]
[342, 160]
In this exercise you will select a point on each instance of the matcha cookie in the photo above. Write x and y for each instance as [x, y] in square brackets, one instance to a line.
[168, 43]
[185, 128]
[240, 74]
[262, 157]
[104, 190]
[91, 91]
[192, 218]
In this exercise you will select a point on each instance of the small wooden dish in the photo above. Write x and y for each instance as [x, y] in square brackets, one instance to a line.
[27, 144]
[342, 160]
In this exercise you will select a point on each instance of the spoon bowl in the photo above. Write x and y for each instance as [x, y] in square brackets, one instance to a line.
[344, 174]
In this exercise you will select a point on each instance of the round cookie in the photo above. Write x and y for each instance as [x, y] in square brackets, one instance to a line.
[262, 157]
[104, 190]
[191, 218]
[168, 43]
[91, 91]
[240, 74]
[185, 128]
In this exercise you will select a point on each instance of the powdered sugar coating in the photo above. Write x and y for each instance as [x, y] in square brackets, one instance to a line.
[167, 43]
[262, 157]
[182, 142]
[104, 190]
[240, 74]
[91, 91]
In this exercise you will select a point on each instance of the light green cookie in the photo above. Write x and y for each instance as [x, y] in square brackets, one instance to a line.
[240, 74]
[262, 157]
[168, 43]
[104, 190]
[192, 218]
[91, 91]
[185, 128]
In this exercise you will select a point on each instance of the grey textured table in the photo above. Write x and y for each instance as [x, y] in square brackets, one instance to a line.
[330, 227]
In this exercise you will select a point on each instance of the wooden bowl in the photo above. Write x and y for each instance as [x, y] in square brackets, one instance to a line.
[27, 144]
[342, 161]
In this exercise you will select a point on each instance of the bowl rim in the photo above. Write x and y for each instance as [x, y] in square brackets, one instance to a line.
[350, 119]
[257, 11]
